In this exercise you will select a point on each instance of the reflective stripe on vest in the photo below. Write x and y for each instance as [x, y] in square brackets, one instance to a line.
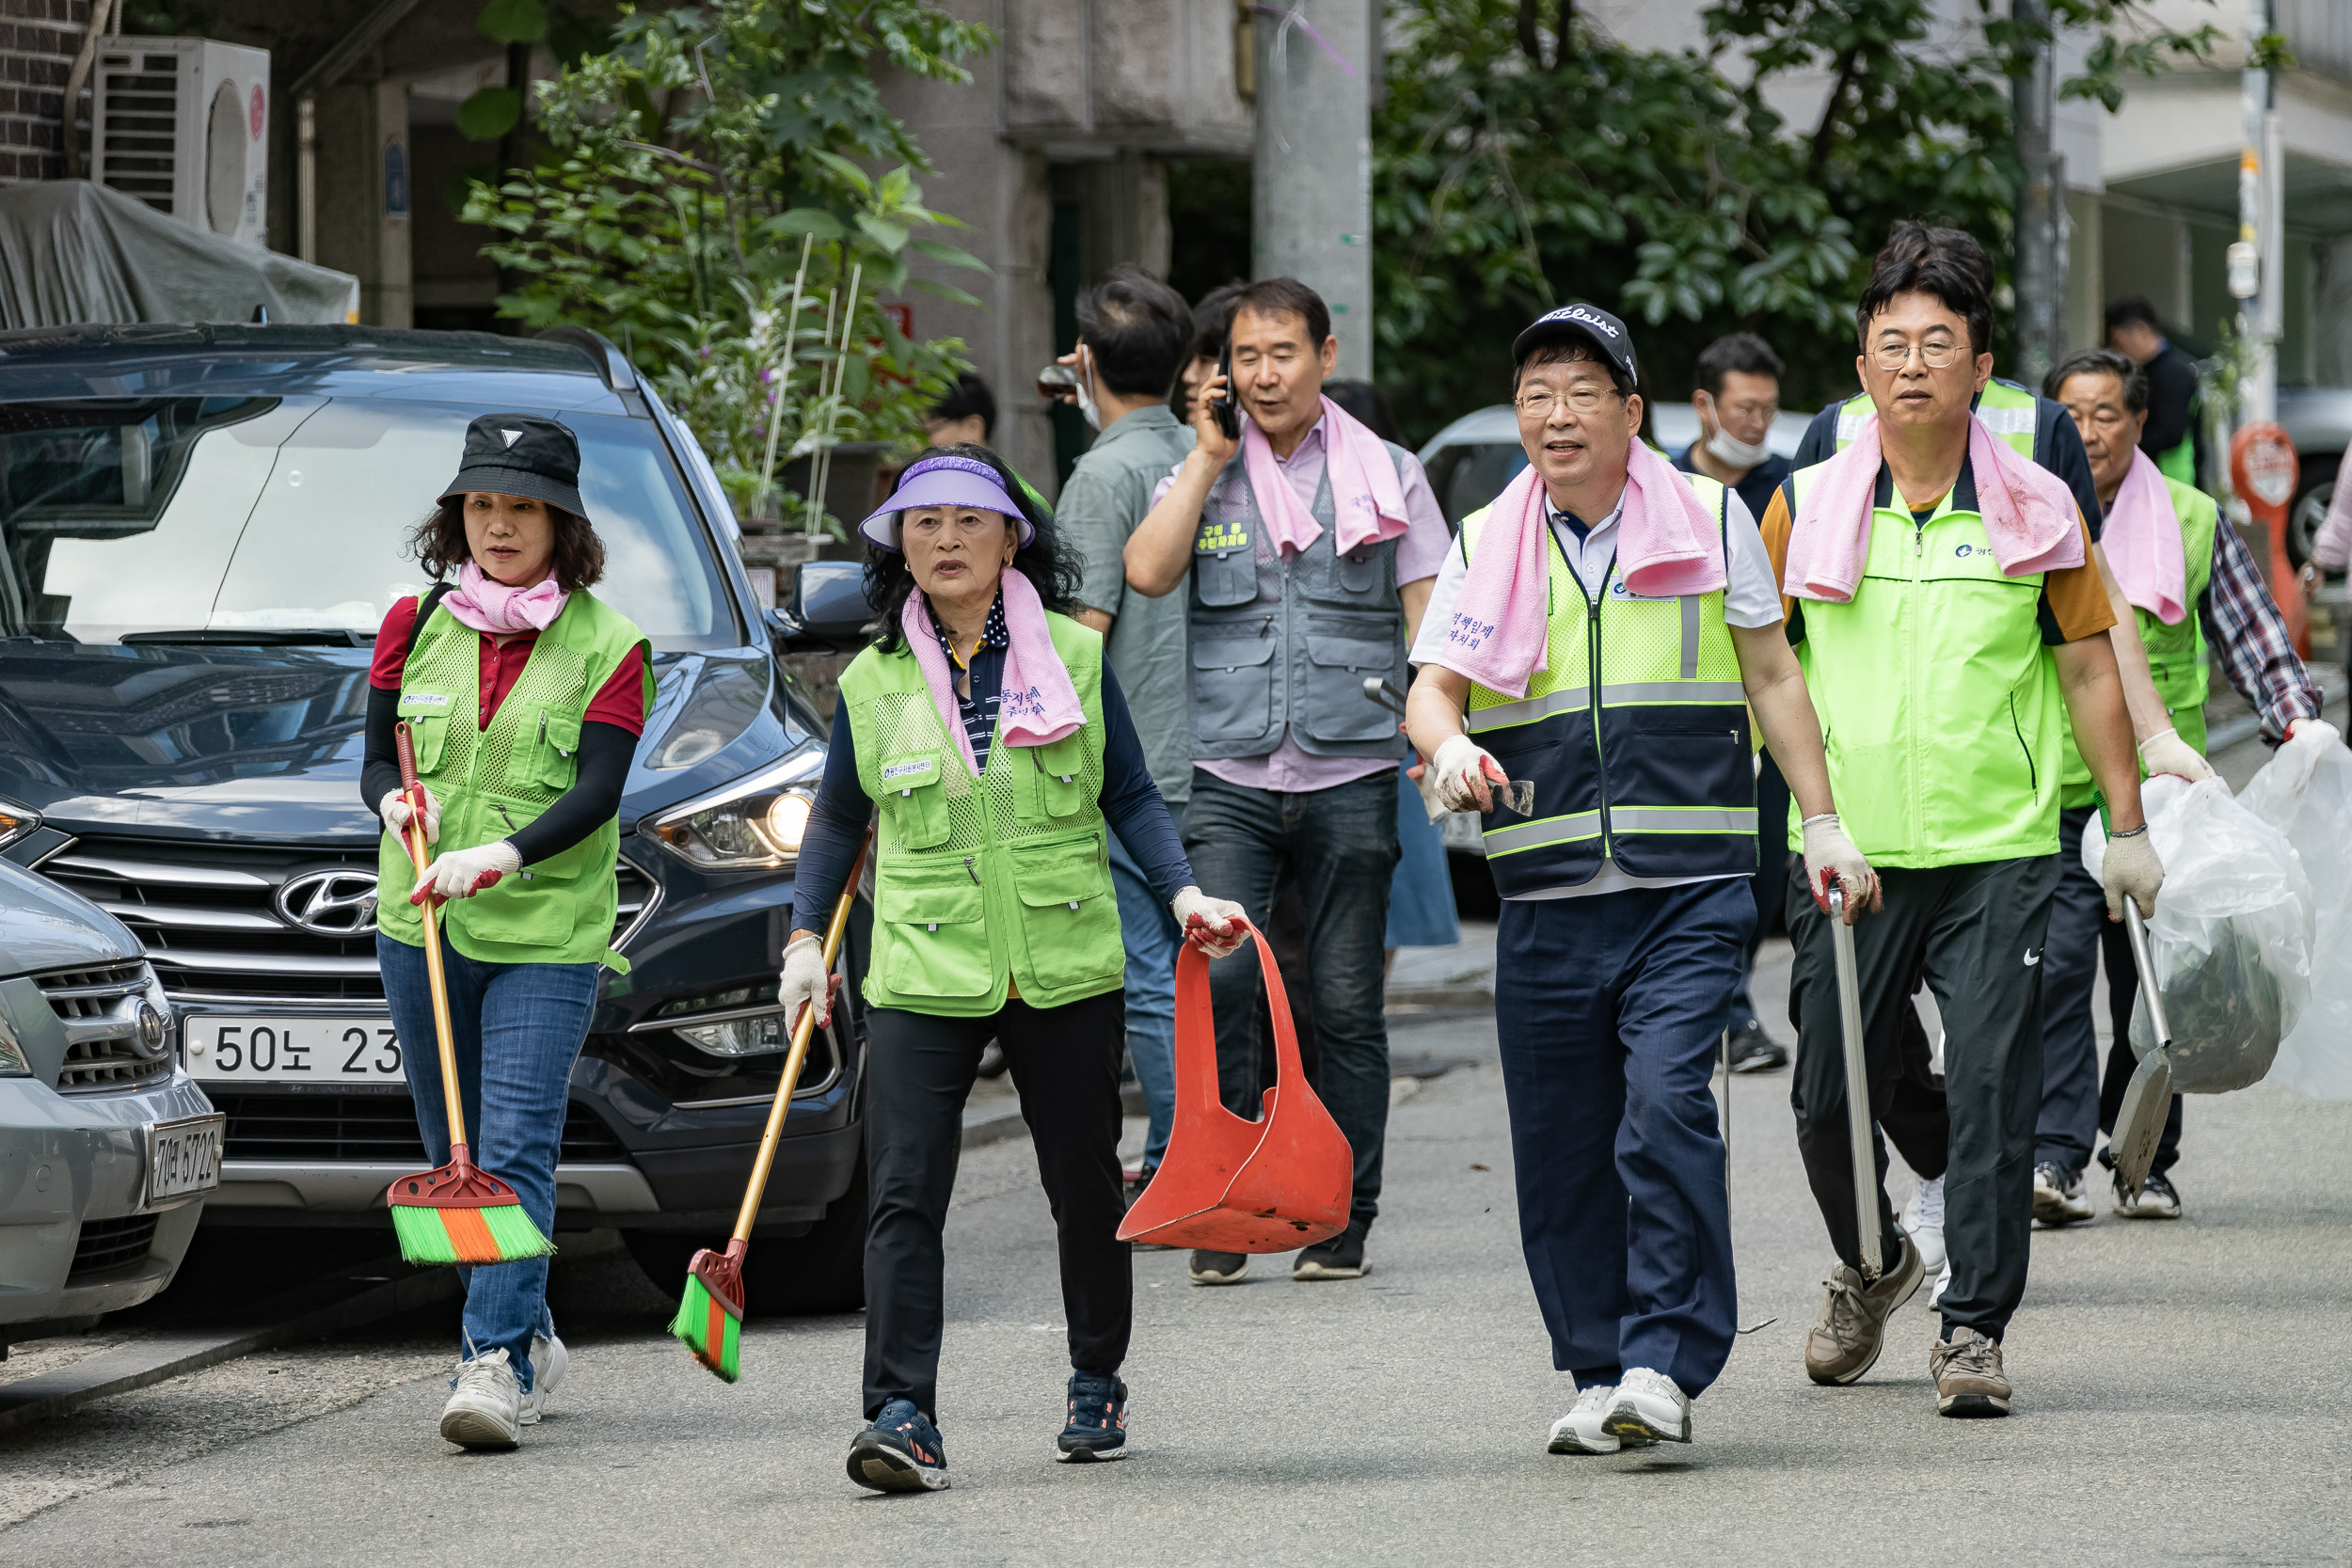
[2005, 409]
[1652, 771]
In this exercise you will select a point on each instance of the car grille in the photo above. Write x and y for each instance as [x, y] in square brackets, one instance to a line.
[110, 1244]
[328, 1129]
[99, 1009]
[209, 914]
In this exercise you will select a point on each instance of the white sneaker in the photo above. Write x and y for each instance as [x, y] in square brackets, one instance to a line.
[1923, 1222]
[1649, 1405]
[550, 1361]
[1943, 1283]
[484, 1409]
[1580, 1430]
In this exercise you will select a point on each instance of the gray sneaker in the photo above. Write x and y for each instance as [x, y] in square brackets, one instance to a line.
[1969, 1377]
[484, 1409]
[1852, 1328]
[550, 1361]
[2057, 1196]
[2157, 1200]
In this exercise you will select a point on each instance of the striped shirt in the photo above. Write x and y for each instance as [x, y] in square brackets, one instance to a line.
[985, 669]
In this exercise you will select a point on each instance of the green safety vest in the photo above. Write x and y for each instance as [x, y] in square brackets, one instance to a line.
[1635, 735]
[1940, 712]
[2180, 463]
[985, 884]
[491, 783]
[2005, 409]
[2177, 661]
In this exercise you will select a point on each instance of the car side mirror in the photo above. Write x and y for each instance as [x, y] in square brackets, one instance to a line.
[828, 612]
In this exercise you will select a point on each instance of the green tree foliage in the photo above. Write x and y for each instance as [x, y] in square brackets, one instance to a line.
[1524, 158]
[703, 198]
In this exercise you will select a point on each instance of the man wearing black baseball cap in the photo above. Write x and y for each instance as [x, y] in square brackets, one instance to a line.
[1592, 649]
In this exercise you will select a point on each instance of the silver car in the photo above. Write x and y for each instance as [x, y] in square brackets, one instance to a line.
[106, 1146]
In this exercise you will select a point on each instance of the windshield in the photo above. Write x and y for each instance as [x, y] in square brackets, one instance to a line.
[275, 516]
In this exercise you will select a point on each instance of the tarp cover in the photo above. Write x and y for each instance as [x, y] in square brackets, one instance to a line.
[72, 252]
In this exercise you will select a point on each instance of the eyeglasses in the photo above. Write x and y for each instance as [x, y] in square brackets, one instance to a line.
[1942, 354]
[1539, 403]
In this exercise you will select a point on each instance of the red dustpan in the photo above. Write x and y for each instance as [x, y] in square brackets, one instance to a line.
[1230, 1185]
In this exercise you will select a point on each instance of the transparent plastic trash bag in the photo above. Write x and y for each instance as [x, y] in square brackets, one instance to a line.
[2305, 792]
[2230, 940]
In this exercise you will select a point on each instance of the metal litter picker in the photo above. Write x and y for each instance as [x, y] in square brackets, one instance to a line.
[710, 1319]
[1865, 1165]
[2147, 1098]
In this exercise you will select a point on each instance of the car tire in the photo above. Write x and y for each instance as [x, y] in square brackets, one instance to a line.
[821, 1269]
[2311, 495]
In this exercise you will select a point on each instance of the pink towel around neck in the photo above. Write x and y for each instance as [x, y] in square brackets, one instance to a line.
[1668, 544]
[1367, 497]
[2031, 519]
[1040, 705]
[484, 603]
[2142, 539]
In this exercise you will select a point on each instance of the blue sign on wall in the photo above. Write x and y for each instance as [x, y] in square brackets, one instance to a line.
[395, 180]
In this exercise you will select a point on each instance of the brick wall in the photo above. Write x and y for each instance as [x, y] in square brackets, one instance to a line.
[39, 39]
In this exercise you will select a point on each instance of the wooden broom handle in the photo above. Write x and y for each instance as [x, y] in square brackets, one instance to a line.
[405, 744]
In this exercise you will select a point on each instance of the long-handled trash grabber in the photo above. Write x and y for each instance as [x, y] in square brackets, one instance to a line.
[455, 1214]
[710, 1319]
[1865, 1165]
[2147, 1098]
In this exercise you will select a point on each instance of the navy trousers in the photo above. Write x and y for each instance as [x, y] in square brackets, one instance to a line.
[1610, 1010]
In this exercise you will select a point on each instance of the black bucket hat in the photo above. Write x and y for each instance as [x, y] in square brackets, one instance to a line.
[520, 454]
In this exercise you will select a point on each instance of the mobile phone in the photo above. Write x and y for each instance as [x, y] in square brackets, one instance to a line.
[1227, 412]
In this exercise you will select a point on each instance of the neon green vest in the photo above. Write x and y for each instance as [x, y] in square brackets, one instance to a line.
[2006, 408]
[983, 882]
[1635, 735]
[1939, 710]
[493, 781]
[2177, 661]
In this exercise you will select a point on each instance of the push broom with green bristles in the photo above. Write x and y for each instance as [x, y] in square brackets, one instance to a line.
[710, 1317]
[455, 1214]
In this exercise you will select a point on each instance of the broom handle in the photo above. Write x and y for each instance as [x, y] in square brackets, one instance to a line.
[801, 1033]
[407, 746]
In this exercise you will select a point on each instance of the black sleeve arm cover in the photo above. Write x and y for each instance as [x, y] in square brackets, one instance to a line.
[593, 800]
[379, 766]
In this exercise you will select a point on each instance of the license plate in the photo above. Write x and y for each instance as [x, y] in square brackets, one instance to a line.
[183, 1157]
[226, 1049]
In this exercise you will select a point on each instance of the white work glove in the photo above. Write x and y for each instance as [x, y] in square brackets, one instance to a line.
[1464, 770]
[396, 811]
[2132, 870]
[2308, 740]
[805, 982]
[1828, 852]
[1214, 925]
[463, 872]
[2169, 753]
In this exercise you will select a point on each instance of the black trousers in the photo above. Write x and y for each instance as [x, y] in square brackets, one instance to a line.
[1975, 932]
[918, 1073]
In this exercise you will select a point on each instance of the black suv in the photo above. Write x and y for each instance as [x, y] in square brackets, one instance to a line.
[202, 527]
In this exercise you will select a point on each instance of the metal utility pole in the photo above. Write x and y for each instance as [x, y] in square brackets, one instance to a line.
[1310, 211]
[2254, 261]
[2040, 211]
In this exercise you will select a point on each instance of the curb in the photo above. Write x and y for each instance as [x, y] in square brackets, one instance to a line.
[308, 1312]
[992, 1124]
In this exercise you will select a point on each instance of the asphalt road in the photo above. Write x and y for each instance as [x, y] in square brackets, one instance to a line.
[2179, 1400]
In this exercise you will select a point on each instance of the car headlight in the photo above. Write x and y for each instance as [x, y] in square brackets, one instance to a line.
[12, 1062]
[754, 824]
[16, 821]
[738, 1037]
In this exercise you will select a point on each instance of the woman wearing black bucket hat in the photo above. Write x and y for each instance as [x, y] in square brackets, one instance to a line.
[525, 695]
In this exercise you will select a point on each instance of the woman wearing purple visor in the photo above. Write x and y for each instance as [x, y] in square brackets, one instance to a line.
[985, 727]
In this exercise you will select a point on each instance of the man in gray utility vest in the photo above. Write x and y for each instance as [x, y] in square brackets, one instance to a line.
[1307, 546]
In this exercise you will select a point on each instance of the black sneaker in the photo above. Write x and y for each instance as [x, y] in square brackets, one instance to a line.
[2157, 1200]
[1754, 1050]
[2057, 1194]
[1219, 1267]
[1098, 1420]
[1341, 1257]
[899, 1452]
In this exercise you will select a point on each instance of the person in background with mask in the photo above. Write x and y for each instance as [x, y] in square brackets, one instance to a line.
[965, 414]
[2181, 569]
[1737, 399]
[1132, 331]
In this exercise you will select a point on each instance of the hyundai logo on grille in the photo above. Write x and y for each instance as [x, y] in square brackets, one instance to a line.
[330, 903]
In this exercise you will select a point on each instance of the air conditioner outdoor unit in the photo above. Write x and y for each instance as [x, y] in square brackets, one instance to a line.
[182, 124]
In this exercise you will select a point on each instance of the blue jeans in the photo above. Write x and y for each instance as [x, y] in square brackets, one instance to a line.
[1151, 937]
[1339, 846]
[516, 1029]
[1608, 1009]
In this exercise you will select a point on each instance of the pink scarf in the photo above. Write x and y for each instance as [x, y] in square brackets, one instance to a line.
[1040, 705]
[1669, 544]
[1367, 499]
[2142, 539]
[484, 603]
[2029, 514]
